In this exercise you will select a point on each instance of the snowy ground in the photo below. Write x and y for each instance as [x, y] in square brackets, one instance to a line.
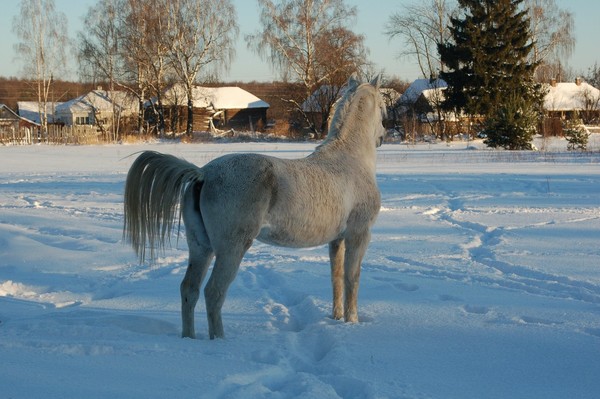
[482, 281]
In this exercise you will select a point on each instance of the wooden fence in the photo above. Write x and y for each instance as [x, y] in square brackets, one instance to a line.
[56, 135]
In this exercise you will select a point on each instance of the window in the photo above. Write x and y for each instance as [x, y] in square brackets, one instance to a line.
[82, 120]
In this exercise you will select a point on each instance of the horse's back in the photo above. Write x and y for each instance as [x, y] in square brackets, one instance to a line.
[291, 203]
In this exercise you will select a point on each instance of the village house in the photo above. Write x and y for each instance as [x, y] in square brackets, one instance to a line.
[96, 107]
[215, 108]
[15, 128]
[420, 111]
[569, 100]
[566, 100]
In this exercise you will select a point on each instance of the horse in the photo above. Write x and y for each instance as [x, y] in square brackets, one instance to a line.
[329, 197]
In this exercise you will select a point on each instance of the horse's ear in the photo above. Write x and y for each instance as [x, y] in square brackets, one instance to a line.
[353, 82]
[376, 81]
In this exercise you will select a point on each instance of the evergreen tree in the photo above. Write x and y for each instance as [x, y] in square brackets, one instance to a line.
[576, 134]
[487, 64]
[512, 125]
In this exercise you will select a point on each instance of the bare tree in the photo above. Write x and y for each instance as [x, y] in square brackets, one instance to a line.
[590, 105]
[138, 24]
[155, 50]
[42, 33]
[422, 26]
[593, 75]
[100, 54]
[310, 42]
[553, 37]
[201, 37]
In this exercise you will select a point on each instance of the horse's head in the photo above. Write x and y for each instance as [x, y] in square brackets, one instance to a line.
[380, 111]
[359, 113]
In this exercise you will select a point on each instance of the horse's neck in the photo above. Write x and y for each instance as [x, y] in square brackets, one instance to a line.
[342, 150]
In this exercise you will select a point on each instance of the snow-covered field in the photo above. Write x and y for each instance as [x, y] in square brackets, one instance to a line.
[482, 281]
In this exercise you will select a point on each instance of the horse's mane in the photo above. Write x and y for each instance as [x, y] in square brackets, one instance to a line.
[341, 108]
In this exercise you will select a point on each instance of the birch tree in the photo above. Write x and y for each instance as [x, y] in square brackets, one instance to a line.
[422, 27]
[99, 49]
[154, 52]
[42, 34]
[552, 32]
[310, 42]
[201, 39]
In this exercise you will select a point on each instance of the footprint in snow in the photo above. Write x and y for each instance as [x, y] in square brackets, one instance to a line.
[449, 298]
[473, 309]
[406, 287]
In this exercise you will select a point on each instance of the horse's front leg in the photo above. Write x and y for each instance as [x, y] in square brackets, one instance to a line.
[336, 259]
[356, 246]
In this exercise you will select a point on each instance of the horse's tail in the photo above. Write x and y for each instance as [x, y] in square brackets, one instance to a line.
[153, 190]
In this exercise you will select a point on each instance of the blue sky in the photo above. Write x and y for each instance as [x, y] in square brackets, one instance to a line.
[372, 15]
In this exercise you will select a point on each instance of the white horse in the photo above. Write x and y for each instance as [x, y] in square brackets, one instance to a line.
[331, 196]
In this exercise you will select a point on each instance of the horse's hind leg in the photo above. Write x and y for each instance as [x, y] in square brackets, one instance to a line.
[356, 246]
[201, 256]
[224, 271]
[336, 259]
[200, 259]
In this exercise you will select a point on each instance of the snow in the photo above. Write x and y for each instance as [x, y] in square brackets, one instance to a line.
[569, 96]
[482, 281]
[29, 110]
[417, 87]
[228, 97]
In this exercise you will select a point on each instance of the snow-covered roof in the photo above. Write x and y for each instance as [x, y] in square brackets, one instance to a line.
[5, 109]
[30, 111]
[417, 87]
[229, 97]
[570, 96]
[322, 96]
[100, 100]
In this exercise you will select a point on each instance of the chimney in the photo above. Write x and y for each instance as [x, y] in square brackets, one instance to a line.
[553, 82]
[578, 81]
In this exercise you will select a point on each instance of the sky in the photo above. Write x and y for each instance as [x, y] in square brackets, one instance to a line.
[372, 16]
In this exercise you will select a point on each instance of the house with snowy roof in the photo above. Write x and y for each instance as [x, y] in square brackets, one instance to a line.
[14, 128]
[96, 107]
[220, 107]
[409, 98]
[566, 100]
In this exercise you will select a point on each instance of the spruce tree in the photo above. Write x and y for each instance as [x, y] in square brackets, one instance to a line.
[487, 62]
